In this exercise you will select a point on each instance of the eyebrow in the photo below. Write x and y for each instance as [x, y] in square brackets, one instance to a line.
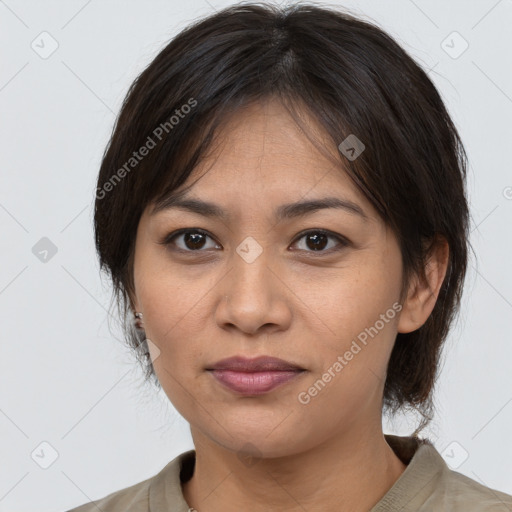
[282, 212]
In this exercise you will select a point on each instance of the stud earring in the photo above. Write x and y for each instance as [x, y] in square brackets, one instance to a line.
[138, 320]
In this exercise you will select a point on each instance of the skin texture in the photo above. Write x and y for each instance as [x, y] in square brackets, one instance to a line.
[271, 452]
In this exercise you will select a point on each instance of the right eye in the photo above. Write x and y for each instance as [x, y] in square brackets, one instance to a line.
[192, 240]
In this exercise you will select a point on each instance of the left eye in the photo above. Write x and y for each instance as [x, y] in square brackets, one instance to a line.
[316, 240]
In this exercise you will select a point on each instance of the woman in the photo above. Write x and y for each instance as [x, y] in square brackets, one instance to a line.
[282, 211]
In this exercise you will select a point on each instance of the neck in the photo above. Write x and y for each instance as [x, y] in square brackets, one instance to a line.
[351, 473]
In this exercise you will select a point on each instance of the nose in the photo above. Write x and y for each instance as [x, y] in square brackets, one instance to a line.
[253, 298]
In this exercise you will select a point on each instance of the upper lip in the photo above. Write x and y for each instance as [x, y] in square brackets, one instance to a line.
[257, 364]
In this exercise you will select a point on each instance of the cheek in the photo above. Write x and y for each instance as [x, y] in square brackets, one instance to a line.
[361, 311]
[352, 358]
[174, 325]
[355, 299]
[175, 318]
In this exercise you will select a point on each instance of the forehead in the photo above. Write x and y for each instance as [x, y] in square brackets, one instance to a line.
[261, 155]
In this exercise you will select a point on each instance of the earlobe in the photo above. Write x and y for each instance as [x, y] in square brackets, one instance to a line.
[423, 292]
[138, 320]
[134, 304]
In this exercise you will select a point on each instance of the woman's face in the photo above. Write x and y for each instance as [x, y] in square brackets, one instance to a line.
[261, 284]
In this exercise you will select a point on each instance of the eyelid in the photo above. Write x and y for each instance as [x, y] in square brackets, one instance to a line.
[342, 240]
[167, 239]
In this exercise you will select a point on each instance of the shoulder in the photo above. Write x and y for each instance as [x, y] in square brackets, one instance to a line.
[428, 483]
[458, 490]
[454, 491]
[134, 498]
[159, 492]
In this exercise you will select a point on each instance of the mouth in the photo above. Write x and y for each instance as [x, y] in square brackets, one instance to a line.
[254, 383]
[252, 377]
[257, 364]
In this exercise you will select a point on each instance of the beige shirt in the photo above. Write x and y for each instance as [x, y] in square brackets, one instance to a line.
[426, 485]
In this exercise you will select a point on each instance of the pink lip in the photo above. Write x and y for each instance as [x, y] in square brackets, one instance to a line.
[256, 364]
[254, 383]
[254, 376]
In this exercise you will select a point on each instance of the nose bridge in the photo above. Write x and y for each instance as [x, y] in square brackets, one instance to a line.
[252, 291]
[251, 275]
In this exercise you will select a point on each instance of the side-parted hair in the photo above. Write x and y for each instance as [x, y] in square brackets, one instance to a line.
[350, 77]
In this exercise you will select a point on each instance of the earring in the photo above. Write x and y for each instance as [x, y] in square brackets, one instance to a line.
[138, 320]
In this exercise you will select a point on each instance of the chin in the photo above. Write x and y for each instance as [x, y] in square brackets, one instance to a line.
[260, 441]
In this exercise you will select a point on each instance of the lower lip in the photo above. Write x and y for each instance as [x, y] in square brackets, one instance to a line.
[254, 383]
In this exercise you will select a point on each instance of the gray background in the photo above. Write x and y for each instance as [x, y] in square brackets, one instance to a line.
[66, 379]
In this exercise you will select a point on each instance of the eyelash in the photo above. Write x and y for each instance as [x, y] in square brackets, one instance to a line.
[343, 242]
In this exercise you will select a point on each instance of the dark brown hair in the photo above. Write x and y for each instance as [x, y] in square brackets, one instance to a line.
[349, 76]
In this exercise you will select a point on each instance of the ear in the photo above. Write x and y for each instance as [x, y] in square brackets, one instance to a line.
[134, 307]
[422, 294]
